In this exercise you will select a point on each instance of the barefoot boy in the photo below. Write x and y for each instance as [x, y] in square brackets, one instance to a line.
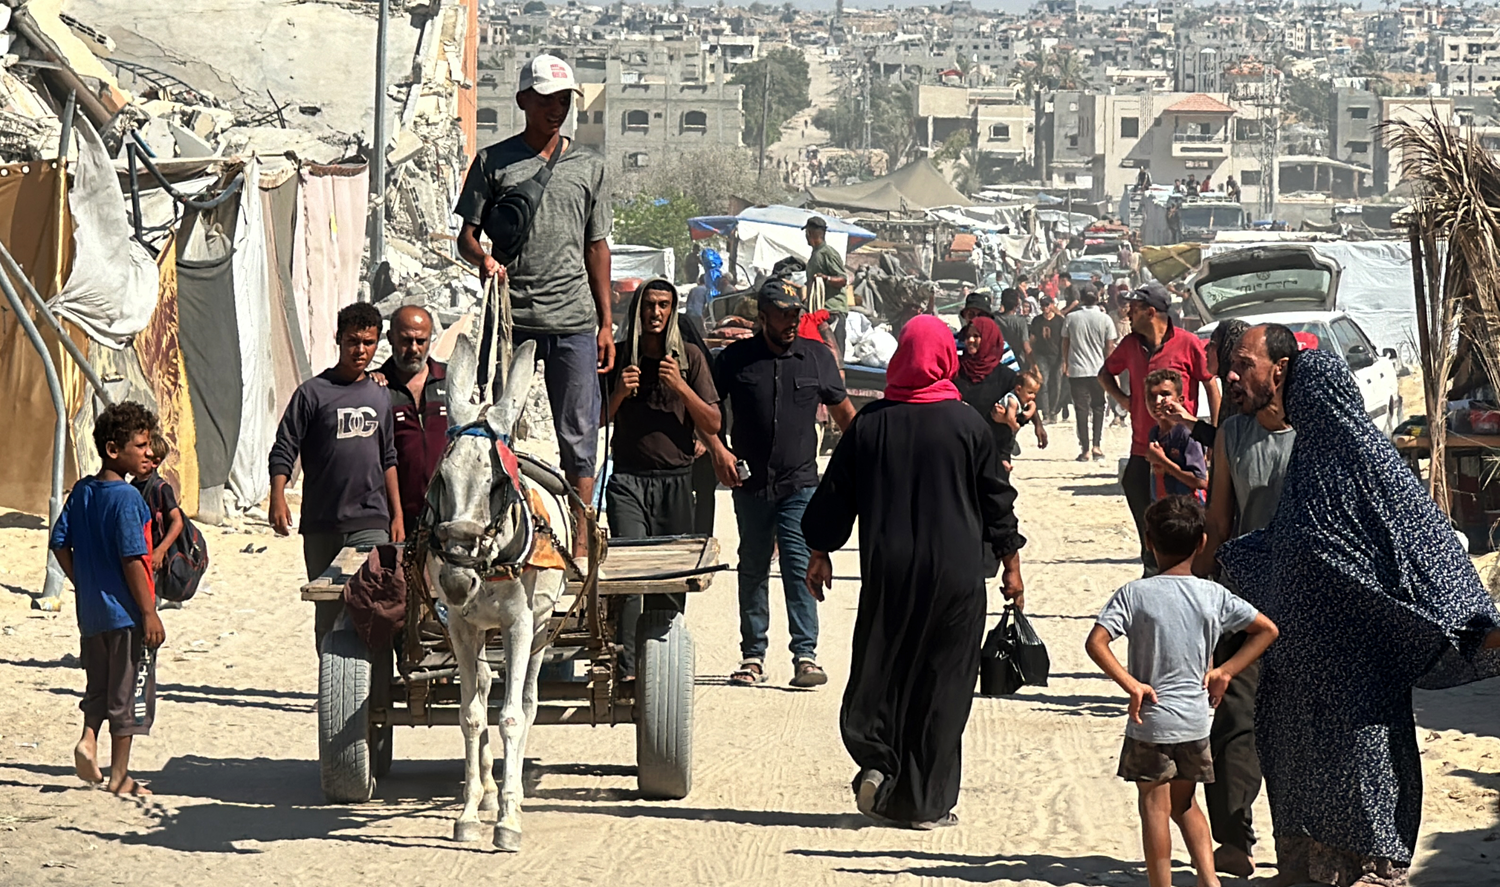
[1173, 621]
[102, 541]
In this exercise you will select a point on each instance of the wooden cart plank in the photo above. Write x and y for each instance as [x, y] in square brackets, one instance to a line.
[622, 566]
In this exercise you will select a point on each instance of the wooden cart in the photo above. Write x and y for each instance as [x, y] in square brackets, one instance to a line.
[363, 693]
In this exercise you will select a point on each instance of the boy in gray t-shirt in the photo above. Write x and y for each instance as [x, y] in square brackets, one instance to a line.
[1173, 620]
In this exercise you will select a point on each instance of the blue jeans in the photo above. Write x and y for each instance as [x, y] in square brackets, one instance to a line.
[765, 523]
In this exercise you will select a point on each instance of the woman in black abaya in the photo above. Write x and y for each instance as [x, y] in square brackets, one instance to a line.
[921, 472]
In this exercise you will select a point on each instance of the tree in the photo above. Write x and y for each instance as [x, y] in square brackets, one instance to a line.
[892, 119]
[711, 177]
[788, 93]
[657, 222]
[1306, 100]
[535, 7]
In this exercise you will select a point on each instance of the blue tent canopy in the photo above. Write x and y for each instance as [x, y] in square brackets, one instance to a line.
[786, 216]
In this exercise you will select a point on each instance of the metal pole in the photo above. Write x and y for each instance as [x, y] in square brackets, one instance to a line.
[51, 598]
[377, 167]
[765, 113]
[12, 269]
[69, 110]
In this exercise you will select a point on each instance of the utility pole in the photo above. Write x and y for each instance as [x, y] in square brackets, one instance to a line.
[865, 88]
[765, 114]
[377, 164]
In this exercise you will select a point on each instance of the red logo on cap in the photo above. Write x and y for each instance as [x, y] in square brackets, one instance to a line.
[559, 71]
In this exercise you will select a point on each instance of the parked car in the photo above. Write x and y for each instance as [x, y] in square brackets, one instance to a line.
[1292, 285]
[1083, 269]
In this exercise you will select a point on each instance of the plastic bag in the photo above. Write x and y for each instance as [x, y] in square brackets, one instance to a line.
[1013, 656]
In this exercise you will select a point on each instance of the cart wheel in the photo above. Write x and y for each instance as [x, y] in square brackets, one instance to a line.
[344, 758]
[664, 706]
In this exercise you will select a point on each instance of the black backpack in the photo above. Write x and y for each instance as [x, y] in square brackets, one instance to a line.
[187, 559]
[508, 216]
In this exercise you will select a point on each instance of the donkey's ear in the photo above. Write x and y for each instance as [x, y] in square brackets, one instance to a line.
[503, 415]
[463, 373]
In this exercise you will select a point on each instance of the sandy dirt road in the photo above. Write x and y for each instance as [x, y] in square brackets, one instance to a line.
[233, 756]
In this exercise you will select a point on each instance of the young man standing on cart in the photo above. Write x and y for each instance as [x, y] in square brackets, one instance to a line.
[559, 283]
[662, 400]
[339, 424]
[773, 384]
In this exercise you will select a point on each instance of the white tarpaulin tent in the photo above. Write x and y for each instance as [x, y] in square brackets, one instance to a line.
[642, 262]
[1375, 288]
[767, 234]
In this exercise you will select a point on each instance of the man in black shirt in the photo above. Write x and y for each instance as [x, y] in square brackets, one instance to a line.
[1046, 355]
[661, 399]
[339, 423]
[773, 383]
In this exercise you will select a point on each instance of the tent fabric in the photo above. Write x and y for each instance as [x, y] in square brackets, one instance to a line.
[161, 359]
[703, 227]
[1375, 288]
[919, 185]
[208, 334]
[125, 379]
[288, 359]
[34, 221]
[111, 291]
[249, 474]
[328, 247]
[762, 246]
[642, 262]
[279, 210]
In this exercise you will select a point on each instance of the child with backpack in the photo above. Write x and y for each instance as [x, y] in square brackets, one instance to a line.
[178, 554]
[102, 542]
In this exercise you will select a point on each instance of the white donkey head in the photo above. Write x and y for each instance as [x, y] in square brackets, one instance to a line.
[480, 516]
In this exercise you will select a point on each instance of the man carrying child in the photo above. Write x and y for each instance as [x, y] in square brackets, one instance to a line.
[1173, 620]
[102, 542]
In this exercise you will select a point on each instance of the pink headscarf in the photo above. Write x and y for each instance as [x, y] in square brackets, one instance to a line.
[926, 358]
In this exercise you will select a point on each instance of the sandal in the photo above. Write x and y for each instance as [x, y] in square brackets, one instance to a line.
[946, 821]
[808, 674]
[750, 673]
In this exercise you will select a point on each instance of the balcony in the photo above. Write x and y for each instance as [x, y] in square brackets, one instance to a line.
[1195, 145]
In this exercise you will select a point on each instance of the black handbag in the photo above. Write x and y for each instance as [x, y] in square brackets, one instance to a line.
[1013, 656]
[508, 216]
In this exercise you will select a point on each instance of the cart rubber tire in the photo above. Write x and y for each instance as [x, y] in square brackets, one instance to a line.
[664, 706]
[345, 761]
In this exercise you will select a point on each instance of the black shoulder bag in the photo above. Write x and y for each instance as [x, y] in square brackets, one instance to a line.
[508, 216]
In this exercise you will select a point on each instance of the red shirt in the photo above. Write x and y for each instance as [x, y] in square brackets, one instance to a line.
[1180, 351]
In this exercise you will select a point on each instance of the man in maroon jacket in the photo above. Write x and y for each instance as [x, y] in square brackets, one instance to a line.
[417, 385]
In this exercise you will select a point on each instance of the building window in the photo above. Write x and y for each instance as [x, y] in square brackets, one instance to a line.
[583, 120]
[1072, 141]
[1359, 113]
[1246, 130]
[1130, 127]
[637, 121]
[637, 160]
[695, 121]
[1072, 106]
[1000, 132]
[599, 118]
[1359, 147]
[1250, 177]
[488, 117]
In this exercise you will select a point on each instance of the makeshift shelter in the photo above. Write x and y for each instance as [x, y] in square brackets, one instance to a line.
[642, 262]
[914, 187]
[761, 236]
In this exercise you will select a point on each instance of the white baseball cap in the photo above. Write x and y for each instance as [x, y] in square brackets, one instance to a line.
[548, 74]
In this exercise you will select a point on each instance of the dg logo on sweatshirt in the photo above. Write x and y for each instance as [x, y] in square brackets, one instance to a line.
[357, 422]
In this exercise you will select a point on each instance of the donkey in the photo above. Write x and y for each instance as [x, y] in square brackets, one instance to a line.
[482, 523]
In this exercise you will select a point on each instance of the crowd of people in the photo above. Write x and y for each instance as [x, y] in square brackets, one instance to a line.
[1297, 582]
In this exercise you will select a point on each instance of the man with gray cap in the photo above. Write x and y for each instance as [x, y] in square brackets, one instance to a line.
[559, 282]
[1154, 343]
[827, 265]
[772, 384]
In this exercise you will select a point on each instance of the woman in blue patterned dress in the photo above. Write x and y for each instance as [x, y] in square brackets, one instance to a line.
[1374, 595]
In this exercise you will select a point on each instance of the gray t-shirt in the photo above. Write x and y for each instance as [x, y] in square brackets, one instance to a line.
[1017, 332]
[549, 287]
[1257, 461]
[1173, 623]
[1089, 332]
